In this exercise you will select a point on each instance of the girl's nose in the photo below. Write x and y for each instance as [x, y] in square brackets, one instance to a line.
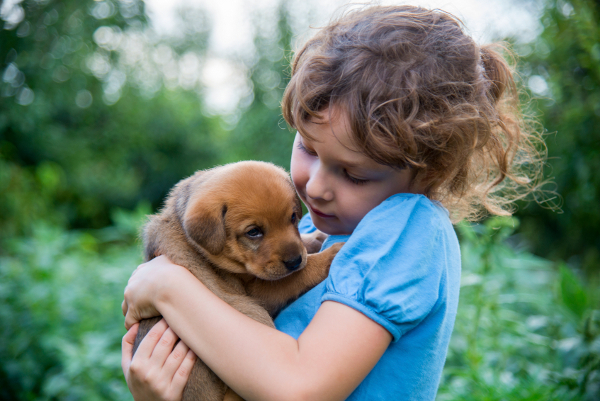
[318, 186]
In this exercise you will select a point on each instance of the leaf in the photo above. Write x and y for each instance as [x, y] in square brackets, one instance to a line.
[572, 292]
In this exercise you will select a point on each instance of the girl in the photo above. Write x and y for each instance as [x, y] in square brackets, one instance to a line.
[404, 125]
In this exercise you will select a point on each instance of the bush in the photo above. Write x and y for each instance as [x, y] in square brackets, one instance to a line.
[566, 58]
[524, 330]
[60, 309]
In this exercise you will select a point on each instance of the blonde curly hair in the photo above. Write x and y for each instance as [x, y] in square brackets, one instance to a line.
[421, 94]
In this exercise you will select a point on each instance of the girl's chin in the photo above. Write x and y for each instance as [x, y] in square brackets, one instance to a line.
[327, 226]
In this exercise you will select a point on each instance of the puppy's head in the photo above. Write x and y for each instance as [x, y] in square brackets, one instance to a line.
[244, 218]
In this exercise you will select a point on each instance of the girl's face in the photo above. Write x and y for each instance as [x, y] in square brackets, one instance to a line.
[339, 184]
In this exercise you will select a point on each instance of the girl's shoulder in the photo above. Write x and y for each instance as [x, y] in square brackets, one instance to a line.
[401, 258]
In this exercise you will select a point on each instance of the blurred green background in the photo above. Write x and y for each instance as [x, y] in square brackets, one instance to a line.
[100, 114]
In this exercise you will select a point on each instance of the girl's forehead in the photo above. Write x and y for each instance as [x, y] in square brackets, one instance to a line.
[332, 123]
[332, 129]
[332, 139]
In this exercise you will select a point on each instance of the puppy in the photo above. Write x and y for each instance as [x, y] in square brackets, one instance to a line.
[235, 227]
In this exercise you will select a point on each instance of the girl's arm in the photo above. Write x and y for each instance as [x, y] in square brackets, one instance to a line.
[327, 362]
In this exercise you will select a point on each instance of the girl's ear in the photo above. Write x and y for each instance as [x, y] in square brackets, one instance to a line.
[201, 214]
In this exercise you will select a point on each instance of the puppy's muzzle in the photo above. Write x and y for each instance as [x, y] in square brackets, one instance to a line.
[293, 264]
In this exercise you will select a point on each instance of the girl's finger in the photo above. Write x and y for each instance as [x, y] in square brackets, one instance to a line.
[127, 347]
[175, 359]
[183, 373]
[131, 318]
[164, 347]
[149, 342]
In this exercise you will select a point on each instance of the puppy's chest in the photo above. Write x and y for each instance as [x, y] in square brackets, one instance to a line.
[233, 283]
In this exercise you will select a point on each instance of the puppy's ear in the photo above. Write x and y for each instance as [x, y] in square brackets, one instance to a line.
[150, 248]
[201, 215]
[205, 224]
[299, 207]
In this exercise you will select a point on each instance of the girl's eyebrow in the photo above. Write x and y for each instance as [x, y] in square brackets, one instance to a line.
[360, 166]
[352, 164]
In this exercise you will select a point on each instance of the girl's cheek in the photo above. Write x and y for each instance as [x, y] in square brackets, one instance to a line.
[352, 206]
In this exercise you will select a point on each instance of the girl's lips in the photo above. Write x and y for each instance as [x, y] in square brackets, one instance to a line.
[320, 214]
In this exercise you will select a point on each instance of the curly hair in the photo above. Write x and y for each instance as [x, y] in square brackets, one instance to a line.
[421, 94]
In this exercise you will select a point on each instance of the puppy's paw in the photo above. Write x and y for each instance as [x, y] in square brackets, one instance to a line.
[333, 250]
[322, 260]
[313, 241]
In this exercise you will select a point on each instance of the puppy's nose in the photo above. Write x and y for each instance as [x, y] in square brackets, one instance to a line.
[293, 264]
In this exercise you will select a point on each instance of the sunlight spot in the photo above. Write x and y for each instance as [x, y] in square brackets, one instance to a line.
[25, 96]
[84, 99]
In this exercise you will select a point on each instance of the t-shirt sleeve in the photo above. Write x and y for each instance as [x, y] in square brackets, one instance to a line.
[391, 267]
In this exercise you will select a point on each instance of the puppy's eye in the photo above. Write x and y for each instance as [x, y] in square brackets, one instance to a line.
[294, 218]
[254, 233]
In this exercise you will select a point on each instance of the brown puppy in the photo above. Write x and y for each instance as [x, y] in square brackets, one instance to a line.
[235, 227]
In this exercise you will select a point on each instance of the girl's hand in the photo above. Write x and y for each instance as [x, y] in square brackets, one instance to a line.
[157, 371]
[145, 286]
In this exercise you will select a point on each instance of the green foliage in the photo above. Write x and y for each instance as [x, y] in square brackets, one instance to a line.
[80, 126]
[567, 57]
[260, 129]
[572, 292]
[524, 331]
[60, 297]
[28, 195]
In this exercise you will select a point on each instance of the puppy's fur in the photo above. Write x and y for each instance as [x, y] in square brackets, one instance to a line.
[235, 227]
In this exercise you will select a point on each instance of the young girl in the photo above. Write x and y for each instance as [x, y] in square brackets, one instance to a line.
[404, 125]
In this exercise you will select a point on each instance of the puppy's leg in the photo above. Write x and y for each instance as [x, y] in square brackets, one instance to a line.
[250, 308]
[231, 395]
[203, 384]
[145, 326]
[313, 241]
[274, 295]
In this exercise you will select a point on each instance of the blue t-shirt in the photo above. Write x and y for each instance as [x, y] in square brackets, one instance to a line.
[401, 268]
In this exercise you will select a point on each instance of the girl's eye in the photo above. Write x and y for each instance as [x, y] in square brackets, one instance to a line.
[303, 148]
[354, 180]
[254, 233]
[294, 218]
